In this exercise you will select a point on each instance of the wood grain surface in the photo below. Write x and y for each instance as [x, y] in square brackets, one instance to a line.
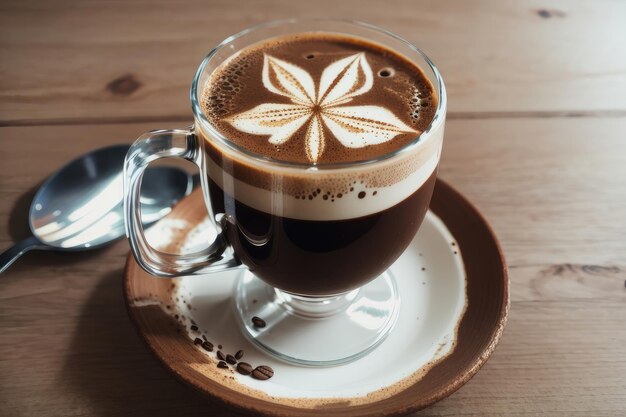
[535, 139]
[86, 61]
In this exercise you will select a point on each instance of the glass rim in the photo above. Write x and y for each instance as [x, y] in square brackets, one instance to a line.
[199, 115]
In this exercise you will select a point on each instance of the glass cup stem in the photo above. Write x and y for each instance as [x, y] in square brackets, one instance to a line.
[314, 307]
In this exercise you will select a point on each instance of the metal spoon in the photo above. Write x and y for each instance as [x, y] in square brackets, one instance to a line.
[80, 206]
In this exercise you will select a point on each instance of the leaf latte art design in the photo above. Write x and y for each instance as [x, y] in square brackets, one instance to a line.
[319, 106]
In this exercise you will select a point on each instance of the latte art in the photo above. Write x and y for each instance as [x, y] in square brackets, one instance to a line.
[319, 98]
[319, 106]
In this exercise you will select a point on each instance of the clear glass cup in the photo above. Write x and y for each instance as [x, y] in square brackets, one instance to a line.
[318, 277]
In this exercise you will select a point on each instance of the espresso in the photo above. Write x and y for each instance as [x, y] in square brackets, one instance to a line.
[291, 121]
[316, 98]
[320, 258]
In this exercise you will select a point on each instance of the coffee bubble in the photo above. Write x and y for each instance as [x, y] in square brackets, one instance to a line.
[386, 72]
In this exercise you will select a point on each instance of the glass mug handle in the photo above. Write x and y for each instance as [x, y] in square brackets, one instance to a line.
[157, 144]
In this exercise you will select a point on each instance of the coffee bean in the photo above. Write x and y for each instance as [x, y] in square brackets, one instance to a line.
[239, 354]
[197, 341]
[204, 337]
[258, 322]
[220, 355]
[222, 364]
[231, 359]
[219, 346]
[208, 346]
[194, 328]
[262, 372]
[244, 368]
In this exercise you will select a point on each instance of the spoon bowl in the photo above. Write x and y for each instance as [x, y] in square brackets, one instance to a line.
[80, 206]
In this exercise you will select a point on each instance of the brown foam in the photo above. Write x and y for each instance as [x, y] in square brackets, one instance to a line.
[399, 85]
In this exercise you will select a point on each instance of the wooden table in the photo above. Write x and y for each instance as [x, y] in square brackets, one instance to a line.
[535, 137]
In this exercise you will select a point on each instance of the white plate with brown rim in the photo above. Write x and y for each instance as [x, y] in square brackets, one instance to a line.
[454, 293]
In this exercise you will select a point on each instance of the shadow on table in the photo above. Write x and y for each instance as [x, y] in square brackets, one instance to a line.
[110, 367]
[18, 219]
[18, 228]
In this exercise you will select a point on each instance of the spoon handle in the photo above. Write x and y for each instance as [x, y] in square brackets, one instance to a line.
[10, 255]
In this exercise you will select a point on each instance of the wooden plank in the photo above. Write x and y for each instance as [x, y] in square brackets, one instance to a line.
[552, 188]
[116, 61]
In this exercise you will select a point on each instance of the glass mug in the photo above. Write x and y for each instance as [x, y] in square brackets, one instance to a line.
[316, 268]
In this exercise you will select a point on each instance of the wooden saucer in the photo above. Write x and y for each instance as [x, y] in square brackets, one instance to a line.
[419, 364]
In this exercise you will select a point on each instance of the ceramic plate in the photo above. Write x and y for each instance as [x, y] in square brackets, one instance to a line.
[453, 287]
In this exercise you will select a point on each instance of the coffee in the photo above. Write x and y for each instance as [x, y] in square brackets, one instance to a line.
[318, 154]
[322, 257]
[294, 118]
